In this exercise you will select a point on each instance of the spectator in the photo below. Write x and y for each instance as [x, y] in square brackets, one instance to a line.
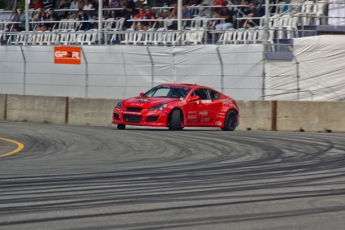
[186, 14]
[13, 27]
[82, 16]
[51, 16]
[88, 5]
[140, 15]
[74, 5]
[149, 15]
[63, 5]
[128, 11]
[41, 16]
[173, 15]
[81, 4]
[253, 13]
[22, 18]
[38, 4]
[95, 4]
[227, 15]
[115, 4]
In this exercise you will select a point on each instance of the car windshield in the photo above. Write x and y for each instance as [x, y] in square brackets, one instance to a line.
[168, 91]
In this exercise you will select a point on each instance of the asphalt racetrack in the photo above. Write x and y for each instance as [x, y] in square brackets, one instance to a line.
[82, 178]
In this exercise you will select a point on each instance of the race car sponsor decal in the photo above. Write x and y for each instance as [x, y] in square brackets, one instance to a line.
[203, 113]
[206, 101]
[191, 112]
[218, 123]
[206, 119]
[137, 104]
[224, 108]
[227, 102]
[191, 116]
[132, 113]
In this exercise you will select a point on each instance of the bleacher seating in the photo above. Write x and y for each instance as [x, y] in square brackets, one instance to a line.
[286, 22]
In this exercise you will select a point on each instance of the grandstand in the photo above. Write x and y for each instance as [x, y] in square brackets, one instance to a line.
[286, 21]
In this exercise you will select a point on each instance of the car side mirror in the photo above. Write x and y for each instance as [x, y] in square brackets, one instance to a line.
[194, 98]
[141, 94]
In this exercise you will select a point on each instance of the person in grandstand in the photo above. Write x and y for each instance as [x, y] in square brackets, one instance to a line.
[252, 13]
[41, 16]
[51, 16]
[149, 15]
[226, 14]
[82, 16]
[63, 5]
[128, 11]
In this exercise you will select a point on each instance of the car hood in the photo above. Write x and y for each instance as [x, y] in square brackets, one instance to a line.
[147, 102]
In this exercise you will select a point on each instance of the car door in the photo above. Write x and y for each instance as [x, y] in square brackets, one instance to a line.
[199, 112]
[215, 105]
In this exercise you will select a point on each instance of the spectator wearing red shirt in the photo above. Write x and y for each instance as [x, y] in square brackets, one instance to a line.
[150, 15]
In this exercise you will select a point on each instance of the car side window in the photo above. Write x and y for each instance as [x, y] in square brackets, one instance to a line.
[202, 93]
[214, 95]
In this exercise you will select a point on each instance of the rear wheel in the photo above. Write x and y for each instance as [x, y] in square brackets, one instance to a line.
[120, 126]
[175, 122]
[230, 122]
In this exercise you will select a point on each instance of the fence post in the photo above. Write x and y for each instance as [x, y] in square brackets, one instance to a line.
[152, 67]
[86, 75]
[24, 71]
[221, 70]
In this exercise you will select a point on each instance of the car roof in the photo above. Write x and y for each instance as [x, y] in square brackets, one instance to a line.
[184, 85]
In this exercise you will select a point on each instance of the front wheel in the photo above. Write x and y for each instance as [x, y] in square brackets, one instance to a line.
[230, 122]
[120, 126]
[175, 122]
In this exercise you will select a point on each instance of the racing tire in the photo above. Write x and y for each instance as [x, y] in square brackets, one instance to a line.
[120, 126]
[230, 122]
[175, 122]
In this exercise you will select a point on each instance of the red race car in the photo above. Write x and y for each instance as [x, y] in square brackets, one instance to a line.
[177, 106]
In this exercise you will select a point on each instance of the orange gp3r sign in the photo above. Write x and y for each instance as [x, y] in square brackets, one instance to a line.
[67, 55]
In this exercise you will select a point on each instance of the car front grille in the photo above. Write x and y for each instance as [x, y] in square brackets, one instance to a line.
[133, 109]
[131, 118]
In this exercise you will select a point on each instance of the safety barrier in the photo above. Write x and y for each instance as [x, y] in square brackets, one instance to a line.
[309, 116]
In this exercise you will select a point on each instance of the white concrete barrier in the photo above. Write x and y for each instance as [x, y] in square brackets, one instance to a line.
[255, 115]
[2, 107]
[96, 112]
[311, 116]
[37, 109]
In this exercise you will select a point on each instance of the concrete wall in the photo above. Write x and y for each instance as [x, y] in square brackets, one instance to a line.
[311, 116]
[96, 112]
[2, 106]
[36, 109]
[255, 115]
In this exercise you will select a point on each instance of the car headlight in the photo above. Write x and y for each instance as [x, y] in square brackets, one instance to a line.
[159, 107]
[119, 104]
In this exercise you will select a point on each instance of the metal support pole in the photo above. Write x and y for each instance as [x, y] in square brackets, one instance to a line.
[179, 15]
[266, 25]
[24, 71]
[152, 67]
[221, 71]
[27, 17]
[86, 75]
[100, 18]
